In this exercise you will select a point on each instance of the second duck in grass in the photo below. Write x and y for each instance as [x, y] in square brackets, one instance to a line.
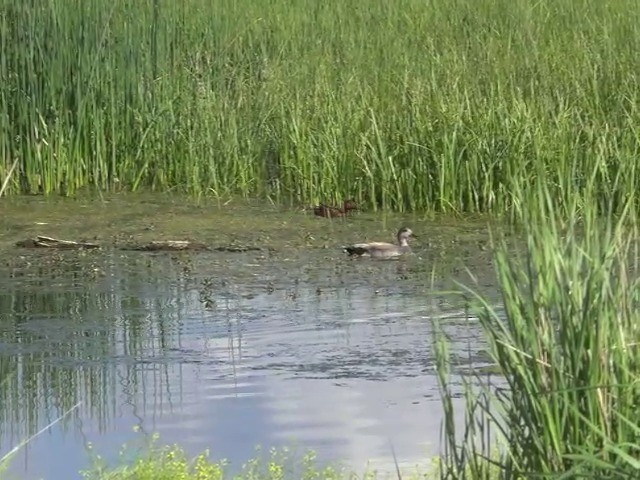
[383, 249]
[323, 210]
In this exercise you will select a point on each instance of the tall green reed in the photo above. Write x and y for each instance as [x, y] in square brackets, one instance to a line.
[447, 106]
[567, 346]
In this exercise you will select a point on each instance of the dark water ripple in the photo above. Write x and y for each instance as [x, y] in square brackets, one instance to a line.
[225, 351]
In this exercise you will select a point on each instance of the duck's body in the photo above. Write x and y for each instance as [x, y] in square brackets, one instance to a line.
[323, 210]
[383, 249]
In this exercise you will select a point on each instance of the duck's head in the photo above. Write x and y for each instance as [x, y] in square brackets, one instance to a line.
[405, 233]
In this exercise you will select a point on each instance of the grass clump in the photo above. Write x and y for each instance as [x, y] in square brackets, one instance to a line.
[170, 462]
[448, 106]
[567, 345]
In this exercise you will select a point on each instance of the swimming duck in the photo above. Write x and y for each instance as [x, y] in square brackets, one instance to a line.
[383, 249]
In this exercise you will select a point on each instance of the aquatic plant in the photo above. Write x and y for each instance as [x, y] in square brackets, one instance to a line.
[567, 346]
[170, 462]
[449, 106]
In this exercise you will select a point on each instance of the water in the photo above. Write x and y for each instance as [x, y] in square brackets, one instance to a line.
[297, 347]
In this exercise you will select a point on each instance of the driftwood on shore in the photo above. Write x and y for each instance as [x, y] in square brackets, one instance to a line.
[153, 246]
[48, 242]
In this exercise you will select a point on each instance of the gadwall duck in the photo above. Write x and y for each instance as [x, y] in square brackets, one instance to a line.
[383, 249]
[323, 210]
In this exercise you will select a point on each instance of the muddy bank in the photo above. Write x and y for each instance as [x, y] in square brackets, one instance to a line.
[138, 222]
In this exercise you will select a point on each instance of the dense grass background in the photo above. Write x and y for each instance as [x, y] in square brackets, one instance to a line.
[446, 105]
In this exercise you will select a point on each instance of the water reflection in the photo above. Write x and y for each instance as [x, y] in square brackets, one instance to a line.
[224, 352]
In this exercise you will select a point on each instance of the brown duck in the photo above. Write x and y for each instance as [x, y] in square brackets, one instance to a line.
[323, 210]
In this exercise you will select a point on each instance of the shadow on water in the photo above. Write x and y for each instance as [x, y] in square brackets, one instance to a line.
[295, 345]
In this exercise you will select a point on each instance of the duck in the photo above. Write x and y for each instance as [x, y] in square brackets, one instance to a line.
[383, 249]
[323, 210]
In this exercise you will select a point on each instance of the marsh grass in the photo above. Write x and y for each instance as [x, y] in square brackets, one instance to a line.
[451, 106]
[568, 348]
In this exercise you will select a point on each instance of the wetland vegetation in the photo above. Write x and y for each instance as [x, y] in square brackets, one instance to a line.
[528, 111]
[192, 344]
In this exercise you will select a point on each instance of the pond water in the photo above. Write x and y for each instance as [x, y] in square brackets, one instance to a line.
[292, 345]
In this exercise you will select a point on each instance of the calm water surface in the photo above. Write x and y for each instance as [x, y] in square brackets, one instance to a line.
[225, 351]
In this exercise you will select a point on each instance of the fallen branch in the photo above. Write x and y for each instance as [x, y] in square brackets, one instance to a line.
[6, 180]
[40, 432]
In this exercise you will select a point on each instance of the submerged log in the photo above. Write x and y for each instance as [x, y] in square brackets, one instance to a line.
[238, 248]
[167, 246]
[48, 242]
[179, 245]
